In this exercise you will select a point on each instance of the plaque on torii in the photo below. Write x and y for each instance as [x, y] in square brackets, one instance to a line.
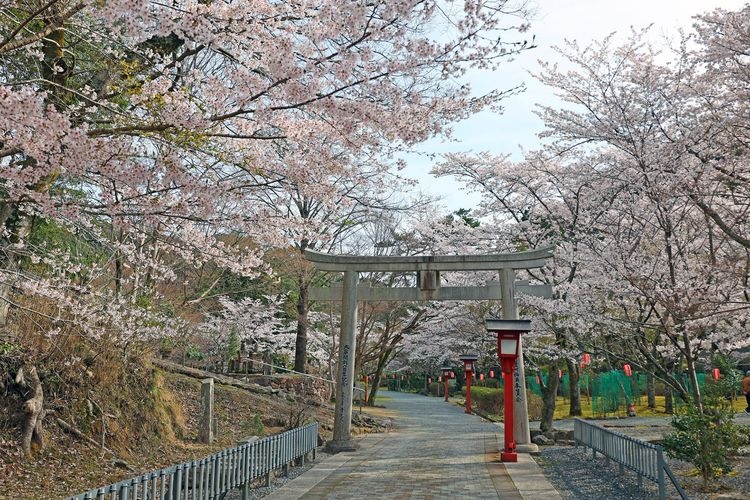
[428, 269]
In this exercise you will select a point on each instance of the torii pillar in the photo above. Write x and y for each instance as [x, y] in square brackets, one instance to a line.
[427, 268]
[342, 420]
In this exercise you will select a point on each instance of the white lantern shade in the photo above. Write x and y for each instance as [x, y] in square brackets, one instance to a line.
[508, 346]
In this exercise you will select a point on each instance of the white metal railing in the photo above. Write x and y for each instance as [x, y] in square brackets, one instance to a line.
[213, 477]
[643, 458]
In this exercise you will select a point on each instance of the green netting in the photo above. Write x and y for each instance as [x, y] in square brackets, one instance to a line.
[533, 386]
[612, 392]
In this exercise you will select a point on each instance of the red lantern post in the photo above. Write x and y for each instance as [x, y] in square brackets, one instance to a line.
[716, 373]
[468, 360]
[628, 371]
[508, 335]
[447, 373]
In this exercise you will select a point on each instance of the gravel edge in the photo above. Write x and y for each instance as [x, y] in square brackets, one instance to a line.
[576, 474]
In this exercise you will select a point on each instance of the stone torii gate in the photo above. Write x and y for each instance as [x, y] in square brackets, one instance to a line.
[427, 268]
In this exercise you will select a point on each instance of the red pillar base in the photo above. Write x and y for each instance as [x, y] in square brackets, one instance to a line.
[508, 456]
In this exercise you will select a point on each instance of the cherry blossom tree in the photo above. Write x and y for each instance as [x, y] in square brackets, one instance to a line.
[623, 188]
[151, 127]
[642, 187]
[324, 216]
[256, 324]
[721, 89]
[658, 238]
[164, 127]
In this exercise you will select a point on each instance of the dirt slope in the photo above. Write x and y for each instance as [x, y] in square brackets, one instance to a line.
[69, 465]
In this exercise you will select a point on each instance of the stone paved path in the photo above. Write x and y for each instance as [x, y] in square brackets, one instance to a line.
[437, 451]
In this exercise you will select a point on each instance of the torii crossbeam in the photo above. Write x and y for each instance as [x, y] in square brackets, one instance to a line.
[428, 268]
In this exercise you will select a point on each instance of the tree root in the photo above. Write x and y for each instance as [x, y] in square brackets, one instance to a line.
[33, 408]
[80, 435]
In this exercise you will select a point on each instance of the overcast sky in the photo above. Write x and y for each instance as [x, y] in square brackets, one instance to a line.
[555, 21]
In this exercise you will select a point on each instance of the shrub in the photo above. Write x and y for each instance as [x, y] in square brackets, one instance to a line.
[489, 400]
[194, 352]
[253, 426]
[706, 438]
[534, 406]
[436, 389]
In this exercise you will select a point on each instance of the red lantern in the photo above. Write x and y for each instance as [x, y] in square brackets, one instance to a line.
[627, 370]
[716, 373]
[586, 359]
[492, 373]
[538, 382]
[481, 376]
[453, 375]
[440, 379]
[429, 380]
[559, 374]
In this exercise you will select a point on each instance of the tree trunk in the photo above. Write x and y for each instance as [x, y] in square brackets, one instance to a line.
[6, 289]
[668, 400]
[220, 379]
[574, 389]
[18, 227]
[382, 361]
[549, 393]
[8, 262]
[691, 370]
[118, 275]
[651, 390]
[300, 345]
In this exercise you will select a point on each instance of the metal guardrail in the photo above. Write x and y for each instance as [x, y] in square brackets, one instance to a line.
[211, 478]
[643, 458]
